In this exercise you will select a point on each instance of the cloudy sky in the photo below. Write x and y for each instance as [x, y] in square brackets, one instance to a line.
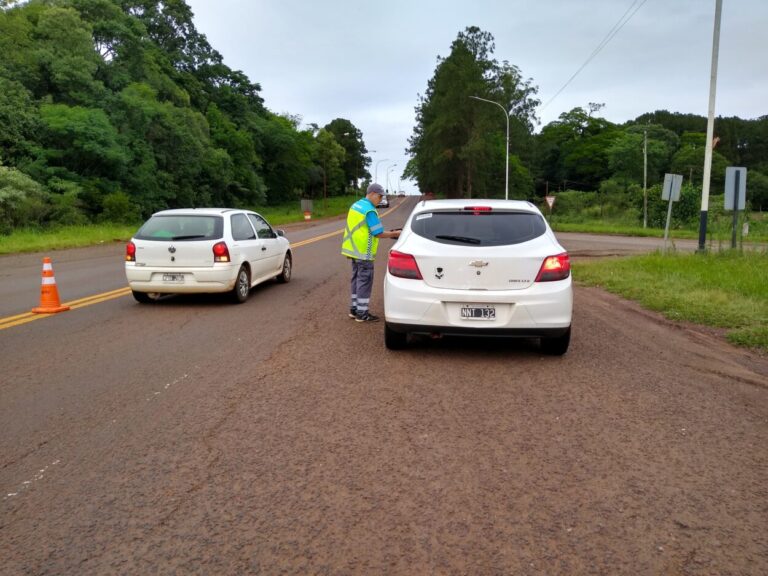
[369, 61]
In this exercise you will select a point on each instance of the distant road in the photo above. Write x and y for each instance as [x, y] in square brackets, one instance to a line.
[579, 244]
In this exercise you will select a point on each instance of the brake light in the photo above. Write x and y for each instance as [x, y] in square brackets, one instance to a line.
[130, 252]
[403, 266]
[220, 252]
[477, 209]
[555, 268]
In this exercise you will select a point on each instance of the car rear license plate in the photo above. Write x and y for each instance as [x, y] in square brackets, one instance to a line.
[173, 277]
[478, 313]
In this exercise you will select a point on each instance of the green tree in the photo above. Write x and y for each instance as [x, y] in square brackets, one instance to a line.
[287, 157]
[689, 161]
[355, 158]
[237, 151]
[19, 122]
[572, 151]
[626, 157]
[757, 190]
[456, 139]
[22, 200]
[329, 157]
[66, 58]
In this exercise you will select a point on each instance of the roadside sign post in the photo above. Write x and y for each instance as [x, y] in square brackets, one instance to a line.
[735, 195]
[670, 191]
[306, 207]
[550, 202]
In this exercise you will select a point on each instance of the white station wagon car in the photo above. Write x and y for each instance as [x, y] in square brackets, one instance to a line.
[196, 250]
[478, 267]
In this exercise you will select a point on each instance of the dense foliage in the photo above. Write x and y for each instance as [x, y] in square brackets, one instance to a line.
[112, 109]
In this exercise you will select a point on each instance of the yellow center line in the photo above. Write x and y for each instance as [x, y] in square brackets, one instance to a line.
[19, 319]
[316, 239]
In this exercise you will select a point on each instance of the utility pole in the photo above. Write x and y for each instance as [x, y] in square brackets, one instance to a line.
[710, 129]
[645, 178]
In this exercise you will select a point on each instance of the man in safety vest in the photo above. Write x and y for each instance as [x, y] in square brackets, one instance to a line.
[361, 239]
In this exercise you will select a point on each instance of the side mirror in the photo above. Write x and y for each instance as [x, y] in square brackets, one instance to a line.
[280, 232]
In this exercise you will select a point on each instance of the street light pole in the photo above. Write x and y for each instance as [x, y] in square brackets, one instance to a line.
[376, 172]
[389, 169]
[506, 167]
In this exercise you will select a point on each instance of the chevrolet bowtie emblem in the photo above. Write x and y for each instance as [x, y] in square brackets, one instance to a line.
[478, 263]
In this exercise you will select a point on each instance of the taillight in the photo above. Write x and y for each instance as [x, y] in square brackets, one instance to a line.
[220, 252]
[403, 265]
[130, 252]
[555, 268]
[478, 209]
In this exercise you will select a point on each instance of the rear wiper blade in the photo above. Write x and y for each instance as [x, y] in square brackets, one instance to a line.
[190, 237]
[465, 239]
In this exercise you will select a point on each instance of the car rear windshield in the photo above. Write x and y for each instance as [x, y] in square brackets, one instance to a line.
[182, 227]
[491, 228]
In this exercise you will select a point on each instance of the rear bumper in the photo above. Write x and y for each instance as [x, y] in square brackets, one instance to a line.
[544, 309]
[196, 280]
[471, 331]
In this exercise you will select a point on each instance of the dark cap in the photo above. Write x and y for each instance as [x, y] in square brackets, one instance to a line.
[376, 188]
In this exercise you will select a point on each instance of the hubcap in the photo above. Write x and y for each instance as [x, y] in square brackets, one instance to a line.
[287, 268]
[243, 283]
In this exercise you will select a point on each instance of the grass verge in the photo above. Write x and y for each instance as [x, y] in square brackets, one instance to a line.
[36, 240]
[725, 290]
[716, 234]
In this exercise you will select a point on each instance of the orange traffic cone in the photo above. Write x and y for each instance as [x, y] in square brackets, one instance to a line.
[49, 294]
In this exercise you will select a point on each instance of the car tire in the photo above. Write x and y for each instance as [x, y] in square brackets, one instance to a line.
[142, 297]
[242, 286]
[394, 340]
[558, 345]
[285, 275]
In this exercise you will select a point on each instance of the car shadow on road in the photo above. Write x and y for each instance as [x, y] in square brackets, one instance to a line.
[210, 299]
[493, 346]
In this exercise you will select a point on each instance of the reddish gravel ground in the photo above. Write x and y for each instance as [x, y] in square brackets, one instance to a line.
[643, 451]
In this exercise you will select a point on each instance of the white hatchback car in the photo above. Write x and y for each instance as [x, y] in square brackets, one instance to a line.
[196, 250]
[478, 267]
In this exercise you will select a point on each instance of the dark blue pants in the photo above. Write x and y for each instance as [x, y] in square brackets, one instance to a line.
[361, 285]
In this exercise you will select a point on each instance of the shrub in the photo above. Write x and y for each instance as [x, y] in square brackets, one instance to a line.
[22, 200]
[684, 212]
[118, 208]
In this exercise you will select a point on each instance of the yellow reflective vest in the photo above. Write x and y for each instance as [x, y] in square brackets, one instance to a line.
[358, 241]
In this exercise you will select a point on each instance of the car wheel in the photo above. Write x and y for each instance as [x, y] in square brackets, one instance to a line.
[242, 286]
[394, 340]
[142, 297]
[285, 276]
[558, 345]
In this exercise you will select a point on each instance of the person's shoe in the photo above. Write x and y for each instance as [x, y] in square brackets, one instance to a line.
[353, 313]
[366, 317]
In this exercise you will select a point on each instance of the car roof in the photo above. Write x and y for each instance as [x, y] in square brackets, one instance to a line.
[454, 204]
[201, 211]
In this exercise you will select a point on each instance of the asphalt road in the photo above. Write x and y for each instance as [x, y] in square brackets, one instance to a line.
[194, 436]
